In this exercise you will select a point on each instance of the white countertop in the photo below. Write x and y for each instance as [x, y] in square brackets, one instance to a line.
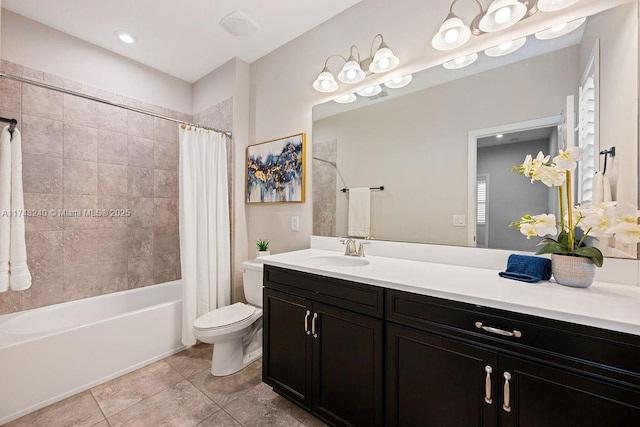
[602, 305]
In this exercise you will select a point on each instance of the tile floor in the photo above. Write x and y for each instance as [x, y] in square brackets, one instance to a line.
[176, 391]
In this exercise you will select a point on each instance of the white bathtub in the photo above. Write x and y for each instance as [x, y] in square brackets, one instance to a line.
[50, 353]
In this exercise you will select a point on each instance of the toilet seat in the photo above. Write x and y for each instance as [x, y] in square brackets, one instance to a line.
[225, 316]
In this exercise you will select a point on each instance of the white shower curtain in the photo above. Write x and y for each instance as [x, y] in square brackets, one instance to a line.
[204, 226]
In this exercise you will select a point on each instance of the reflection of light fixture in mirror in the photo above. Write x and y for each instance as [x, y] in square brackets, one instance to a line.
[370, 91]
[560, 30]
[499, 136]
[502, 14]
[553, 5]
[125, 37]
[345, 99]
[506, 48]
[461, 62]
[399, 82]
[353, 70]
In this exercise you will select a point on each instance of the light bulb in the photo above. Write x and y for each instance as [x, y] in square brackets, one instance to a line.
[383, 63]
[351, 74]
[559, 28]
[325, 84]
[506, 45]
[503, 15]
[452, 35]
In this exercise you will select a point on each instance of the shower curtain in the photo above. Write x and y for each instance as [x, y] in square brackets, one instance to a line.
[204, 225]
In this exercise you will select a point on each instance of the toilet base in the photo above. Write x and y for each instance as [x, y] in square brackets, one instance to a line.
[228, 358]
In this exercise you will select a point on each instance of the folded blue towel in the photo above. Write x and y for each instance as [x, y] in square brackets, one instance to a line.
[527, 268]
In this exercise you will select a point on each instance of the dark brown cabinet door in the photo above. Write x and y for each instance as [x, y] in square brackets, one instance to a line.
[287, 345]
[538, 395]
[435, 381]
[348, 367]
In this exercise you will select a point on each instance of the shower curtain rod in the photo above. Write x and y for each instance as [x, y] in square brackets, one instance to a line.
[106, 101]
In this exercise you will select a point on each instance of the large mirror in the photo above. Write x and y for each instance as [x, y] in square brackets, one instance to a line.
[442, 146]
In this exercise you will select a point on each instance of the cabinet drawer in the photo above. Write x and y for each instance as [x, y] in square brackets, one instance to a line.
[353, 296]
[609, 353]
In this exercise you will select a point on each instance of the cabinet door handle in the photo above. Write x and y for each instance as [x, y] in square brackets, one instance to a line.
[306, 322]
[313, 325]
[498, 331]
[487, 385]
[507, 393]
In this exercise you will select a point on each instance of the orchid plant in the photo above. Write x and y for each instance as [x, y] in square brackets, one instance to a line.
[604, 220]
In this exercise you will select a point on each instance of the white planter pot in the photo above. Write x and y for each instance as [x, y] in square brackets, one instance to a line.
[574, 271]
[262, 253]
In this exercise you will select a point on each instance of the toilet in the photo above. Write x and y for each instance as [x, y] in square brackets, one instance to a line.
[235, 330]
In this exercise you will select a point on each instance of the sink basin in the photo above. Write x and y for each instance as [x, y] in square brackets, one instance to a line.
[337, 261]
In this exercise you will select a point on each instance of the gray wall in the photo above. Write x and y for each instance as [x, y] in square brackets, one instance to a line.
[511, 195]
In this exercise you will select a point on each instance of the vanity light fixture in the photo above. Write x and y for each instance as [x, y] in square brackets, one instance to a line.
[560, 30]
[370, 91]
[506, 48]
[461, 62]
[502, 14]
[353, 70]
[125, 37]
[553, 5]
[346, 99]
[399, 82]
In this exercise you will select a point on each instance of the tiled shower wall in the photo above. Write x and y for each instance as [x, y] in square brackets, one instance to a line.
[324, 188]
[83, 155]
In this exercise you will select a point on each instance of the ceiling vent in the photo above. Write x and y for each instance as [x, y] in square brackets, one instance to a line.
[239, 25]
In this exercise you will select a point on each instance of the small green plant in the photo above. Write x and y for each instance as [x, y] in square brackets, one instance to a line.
[262, 245]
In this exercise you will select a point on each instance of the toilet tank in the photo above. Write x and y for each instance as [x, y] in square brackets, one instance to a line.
[252, 282]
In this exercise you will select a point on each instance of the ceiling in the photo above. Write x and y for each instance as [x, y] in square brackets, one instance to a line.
[171, 34]
[518, 136]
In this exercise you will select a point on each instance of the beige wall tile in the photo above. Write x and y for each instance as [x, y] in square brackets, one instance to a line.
[80, 177]
[165, 131]
[140, 152]
[44, 249]
[112, 180]
[41, 174]
[141, 212]
[165, 212]
[113, 119]
[80, 247]
[46, 288]
[139, 125]
[166, 267]
[10, 301]
[80, 281]
[10, 96]
[113, 244]
[165, 183]
[41, 102]
[112, 148]
[116, 209]
[166, 240]
[112, 276]
[140, 272]
[78, 210]
[140, 242]
[41, 136]
[43, 212]
[140, 182]
[80, 142]
[165, 156]
[80, 111]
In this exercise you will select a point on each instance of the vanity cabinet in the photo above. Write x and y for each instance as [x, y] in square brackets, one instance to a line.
[457, 364]
[323, 345]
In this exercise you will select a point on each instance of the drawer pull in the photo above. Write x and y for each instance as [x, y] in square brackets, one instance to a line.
[507, 393]
[306, 322]
[313, 325]
[487, 385]
[498, 331]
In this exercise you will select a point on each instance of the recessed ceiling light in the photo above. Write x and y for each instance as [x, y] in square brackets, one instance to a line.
[125, 37]
[499, 135]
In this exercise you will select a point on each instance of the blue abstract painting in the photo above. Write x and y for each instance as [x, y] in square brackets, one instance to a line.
[275, 170]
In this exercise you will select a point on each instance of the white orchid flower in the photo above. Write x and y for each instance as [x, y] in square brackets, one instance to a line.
[545, 224]
[567, 159]
[627, 233]
[599, 221]
[627, 212]
[550, 176]
[530, 167]
[528, 230]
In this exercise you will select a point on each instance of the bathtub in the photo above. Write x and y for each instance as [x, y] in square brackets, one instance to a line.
[50, 353]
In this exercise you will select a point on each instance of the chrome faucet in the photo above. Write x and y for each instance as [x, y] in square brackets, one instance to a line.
[350, 247]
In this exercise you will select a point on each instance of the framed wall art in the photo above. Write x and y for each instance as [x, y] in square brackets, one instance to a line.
[276, 170]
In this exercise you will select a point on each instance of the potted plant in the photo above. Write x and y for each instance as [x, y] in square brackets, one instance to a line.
[573, 260]
[263, 248]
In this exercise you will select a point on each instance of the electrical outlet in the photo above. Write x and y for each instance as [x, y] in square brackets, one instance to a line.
[459, 221]
[295, 223]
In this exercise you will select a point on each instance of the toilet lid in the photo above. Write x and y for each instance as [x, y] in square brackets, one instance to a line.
[224, 316]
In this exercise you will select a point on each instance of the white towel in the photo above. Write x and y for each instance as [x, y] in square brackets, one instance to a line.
[601, 188]
[19, 275]
[5, 207]
[359, 212]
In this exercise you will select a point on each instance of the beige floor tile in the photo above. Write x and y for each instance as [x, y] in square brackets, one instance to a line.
[261, 406]
[220, 419]
[76, 411]
[182, 405]
[102, 423]
[224, 390]
[192, 360]
[126, 391]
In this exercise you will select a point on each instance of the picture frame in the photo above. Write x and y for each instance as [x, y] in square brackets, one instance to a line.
[275, 170]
